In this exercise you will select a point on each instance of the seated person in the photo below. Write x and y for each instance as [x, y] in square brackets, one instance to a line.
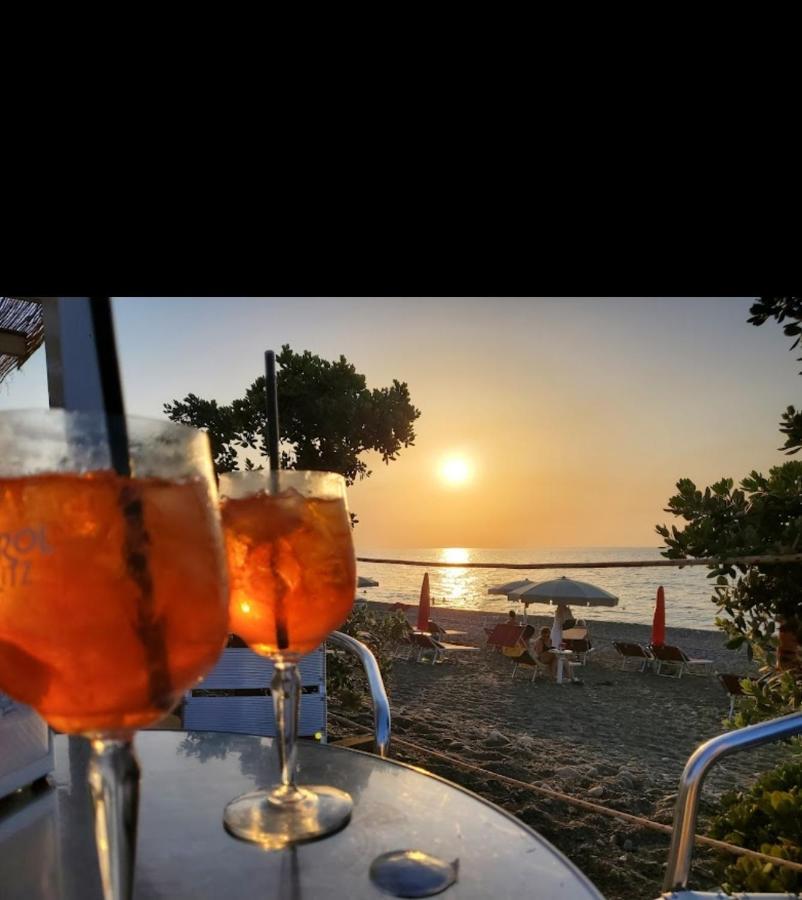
[512, 618]
[539, 649]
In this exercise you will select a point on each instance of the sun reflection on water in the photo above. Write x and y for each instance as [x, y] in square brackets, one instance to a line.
[454, 584]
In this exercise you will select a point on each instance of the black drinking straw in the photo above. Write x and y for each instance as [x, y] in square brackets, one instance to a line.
[110, 384]
[149, 627]
[271, 397]
[271, 401]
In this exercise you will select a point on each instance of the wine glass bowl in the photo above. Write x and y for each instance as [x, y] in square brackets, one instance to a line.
[292, 578]
[291, 562]
[113, 591]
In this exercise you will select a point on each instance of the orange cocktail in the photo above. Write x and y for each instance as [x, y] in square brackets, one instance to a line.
[112, 596]
[291, 569]
[292, 576]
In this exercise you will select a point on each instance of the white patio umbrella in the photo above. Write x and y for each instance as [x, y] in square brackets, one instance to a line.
[363, 582]
[562, 591]
[509, 586]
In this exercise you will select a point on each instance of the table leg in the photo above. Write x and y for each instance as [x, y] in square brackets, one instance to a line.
[559, 670]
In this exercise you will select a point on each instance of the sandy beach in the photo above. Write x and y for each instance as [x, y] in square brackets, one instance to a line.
[620, 738]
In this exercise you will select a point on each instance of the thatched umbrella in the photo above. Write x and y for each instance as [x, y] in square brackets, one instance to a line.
[21, 332]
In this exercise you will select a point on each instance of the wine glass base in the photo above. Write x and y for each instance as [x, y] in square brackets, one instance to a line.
[255, 817]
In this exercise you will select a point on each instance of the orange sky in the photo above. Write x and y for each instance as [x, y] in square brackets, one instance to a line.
[577, 415]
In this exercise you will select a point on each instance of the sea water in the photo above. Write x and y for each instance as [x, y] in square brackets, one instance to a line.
[688, 591]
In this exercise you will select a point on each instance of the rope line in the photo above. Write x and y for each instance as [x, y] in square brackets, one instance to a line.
[793, 558]
[585, 804]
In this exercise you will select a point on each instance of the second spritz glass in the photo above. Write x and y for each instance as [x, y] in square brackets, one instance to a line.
[292, 581]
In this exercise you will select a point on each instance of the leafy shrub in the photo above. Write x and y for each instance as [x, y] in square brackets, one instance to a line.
[767, 817]
[345, 678]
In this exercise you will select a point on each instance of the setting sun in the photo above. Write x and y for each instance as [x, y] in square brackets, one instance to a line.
[455, 470]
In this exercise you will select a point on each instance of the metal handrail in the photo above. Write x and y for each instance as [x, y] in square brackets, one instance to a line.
[381, 705]
[682, 837]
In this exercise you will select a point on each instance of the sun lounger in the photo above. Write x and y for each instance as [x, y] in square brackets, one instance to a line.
[631, 651]
[426, 643]
[441, 633]
[419, 645]
[679, 662]
[732, 685]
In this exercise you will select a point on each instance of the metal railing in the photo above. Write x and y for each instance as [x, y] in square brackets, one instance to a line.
[690, 784]
[381, 705]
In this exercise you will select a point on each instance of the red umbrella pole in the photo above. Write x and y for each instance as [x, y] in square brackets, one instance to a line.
[425, 604]
[659, 620]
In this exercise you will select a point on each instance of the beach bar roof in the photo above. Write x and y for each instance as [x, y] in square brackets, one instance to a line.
[21, 332]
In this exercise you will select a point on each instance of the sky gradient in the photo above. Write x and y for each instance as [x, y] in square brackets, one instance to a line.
[576, 416]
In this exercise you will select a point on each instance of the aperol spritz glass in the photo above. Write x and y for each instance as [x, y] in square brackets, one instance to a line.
[113, 591]
[292, 581]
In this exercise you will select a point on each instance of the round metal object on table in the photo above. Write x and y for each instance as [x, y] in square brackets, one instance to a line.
[47, 849]
[412, 873]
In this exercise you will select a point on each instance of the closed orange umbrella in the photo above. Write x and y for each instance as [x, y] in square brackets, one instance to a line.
[659, 620]
[425, 604]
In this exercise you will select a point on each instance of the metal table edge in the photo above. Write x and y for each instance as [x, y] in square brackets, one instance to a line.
[402, 765]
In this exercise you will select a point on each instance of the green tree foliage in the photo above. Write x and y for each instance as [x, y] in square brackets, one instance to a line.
[760, 606]
[788, 310]
[768, 818]
[328, 418]
[762, 516]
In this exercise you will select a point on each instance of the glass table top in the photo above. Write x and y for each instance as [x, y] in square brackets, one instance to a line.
[47, 845]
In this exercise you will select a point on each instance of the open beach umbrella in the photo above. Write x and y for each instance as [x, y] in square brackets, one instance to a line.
[424, 605]
[363, 582]
[659, 620]
[564, 591]
[509, 586]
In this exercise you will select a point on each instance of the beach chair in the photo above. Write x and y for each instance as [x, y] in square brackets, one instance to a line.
[427, 644]
[578, 640]
[629, 651]
[732, 685]
[434, 629]
[418, 645]
[440, 651]
[679, 662]
[504, 635]
[527, 660]
[521, 645]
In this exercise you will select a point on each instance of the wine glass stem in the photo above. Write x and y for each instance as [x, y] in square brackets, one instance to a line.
[114, 784]
[286, 691]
